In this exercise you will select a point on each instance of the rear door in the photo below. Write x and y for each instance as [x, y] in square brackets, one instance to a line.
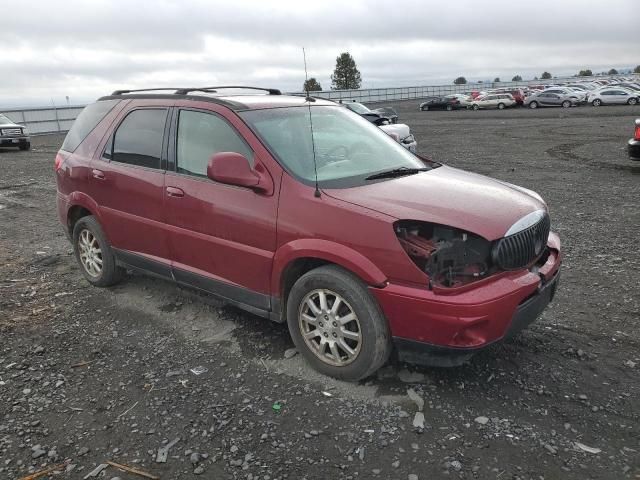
[222, 237]
[127, 182]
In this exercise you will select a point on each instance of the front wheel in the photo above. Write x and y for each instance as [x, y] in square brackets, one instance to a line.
[476, 107]
[25, 146]
[94, 254]
[501, 106]
[632, 101]
[566, 104]
[337, 325]
[424, 108]
[597, 102]
[449, 108]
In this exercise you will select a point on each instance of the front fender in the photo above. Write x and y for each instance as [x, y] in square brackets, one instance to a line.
[333, 252]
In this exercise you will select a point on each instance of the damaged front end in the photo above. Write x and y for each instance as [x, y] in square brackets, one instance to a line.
[449, 256]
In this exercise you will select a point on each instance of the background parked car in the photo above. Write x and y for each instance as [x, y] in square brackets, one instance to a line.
[516, 93]
[569, 92]
[402, 134]
[612, 96]
[634, 143]
[464, 99]
[13, 135]
[497, 100]
[441, 103]
[547, 99]
[377, 118]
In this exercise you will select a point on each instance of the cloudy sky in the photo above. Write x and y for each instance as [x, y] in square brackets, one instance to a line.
[86, 48]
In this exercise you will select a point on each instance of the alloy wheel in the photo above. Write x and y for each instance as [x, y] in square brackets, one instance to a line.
[90, 253]
[330, 327]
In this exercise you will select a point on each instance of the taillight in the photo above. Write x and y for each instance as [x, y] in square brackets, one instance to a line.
[58, 162]
[637, 134]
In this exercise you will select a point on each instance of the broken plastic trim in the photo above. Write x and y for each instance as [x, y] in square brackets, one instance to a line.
[450, 257]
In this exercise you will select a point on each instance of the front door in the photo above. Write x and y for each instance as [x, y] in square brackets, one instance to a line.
[222, 237]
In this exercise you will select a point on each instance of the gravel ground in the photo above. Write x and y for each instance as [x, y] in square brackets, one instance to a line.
[93, 375]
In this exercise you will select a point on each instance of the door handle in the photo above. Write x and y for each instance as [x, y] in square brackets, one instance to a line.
[175, 192]
[97, 174]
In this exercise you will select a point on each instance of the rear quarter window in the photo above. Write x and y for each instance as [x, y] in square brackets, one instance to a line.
[86, 122]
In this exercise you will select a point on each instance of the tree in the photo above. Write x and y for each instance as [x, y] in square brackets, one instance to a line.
[517, 78]
[613, 71]
[496, 80]
[311, 85]
[585, 73]
[637, 69]
[346, 75]
[545, 76]
[460, 81]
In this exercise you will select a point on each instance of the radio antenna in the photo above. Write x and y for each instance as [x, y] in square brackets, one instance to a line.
[309, 99]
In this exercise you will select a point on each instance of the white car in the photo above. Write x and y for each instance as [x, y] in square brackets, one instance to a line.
[494, 100]
[401, 134]
[612, 96]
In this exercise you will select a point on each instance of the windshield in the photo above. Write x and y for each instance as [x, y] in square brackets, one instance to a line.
[4, 120]
[347, 147]
[357, 107]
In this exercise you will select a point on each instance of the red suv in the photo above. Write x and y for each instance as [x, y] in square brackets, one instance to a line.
[303, 212]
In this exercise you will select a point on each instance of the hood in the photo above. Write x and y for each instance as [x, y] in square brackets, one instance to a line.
[399, 129]
[447, 196]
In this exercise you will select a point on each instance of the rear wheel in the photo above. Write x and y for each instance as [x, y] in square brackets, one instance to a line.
[632, 101]
[337, 325]
[597, 102]
[533, 105]
[94, 254]
[449, 107]
[566, 104]
[501, 106]
[475, 106]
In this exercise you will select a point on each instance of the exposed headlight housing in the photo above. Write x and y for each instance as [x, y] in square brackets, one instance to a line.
[449, 256]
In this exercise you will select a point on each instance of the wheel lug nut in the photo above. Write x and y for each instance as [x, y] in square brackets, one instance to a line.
[326, 317]
[335, 335]
[335, 324]
[321, 324]
[326, 334]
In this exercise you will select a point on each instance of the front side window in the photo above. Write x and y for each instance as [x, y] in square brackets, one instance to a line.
[347, 147]
[202, 135]
[138, 139]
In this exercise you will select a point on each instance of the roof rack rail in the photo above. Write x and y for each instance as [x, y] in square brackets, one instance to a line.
[186, 91]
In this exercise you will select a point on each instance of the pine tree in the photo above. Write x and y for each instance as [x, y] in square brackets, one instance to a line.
[346, 75]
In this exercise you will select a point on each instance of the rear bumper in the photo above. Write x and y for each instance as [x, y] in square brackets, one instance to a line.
[447, 329]
[634, 149]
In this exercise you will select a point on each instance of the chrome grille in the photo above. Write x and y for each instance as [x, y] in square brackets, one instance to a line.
[521, 249]
[11, 131]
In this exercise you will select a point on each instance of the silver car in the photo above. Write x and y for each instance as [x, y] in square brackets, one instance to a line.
[494, 100]
[613, 96]
[13, 135]
[550, 99]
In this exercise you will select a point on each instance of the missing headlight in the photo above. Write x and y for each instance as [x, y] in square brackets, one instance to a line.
[449, 256]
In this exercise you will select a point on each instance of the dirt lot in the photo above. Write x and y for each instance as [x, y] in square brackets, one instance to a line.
[89, 375]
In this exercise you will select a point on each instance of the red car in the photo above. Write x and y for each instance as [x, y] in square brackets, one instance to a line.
[303, 212]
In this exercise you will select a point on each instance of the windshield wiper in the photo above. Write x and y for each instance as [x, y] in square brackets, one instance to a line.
[396, 172]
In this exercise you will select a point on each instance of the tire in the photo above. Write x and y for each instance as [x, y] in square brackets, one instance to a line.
[425, 108]
[26, 146]
[449, 108]
[372, 347]
[597, 102]
[533, 105]
[87, 233]
[632, 101]
[475, 106]
[501, 106]
[566, 104]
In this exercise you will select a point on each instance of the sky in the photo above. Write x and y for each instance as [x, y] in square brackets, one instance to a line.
[84, 49]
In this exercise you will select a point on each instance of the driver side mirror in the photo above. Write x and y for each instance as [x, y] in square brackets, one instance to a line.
[233, 168]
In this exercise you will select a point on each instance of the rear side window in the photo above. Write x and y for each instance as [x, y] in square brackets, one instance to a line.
[202, 135]
[138, 139]
[86, 122]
